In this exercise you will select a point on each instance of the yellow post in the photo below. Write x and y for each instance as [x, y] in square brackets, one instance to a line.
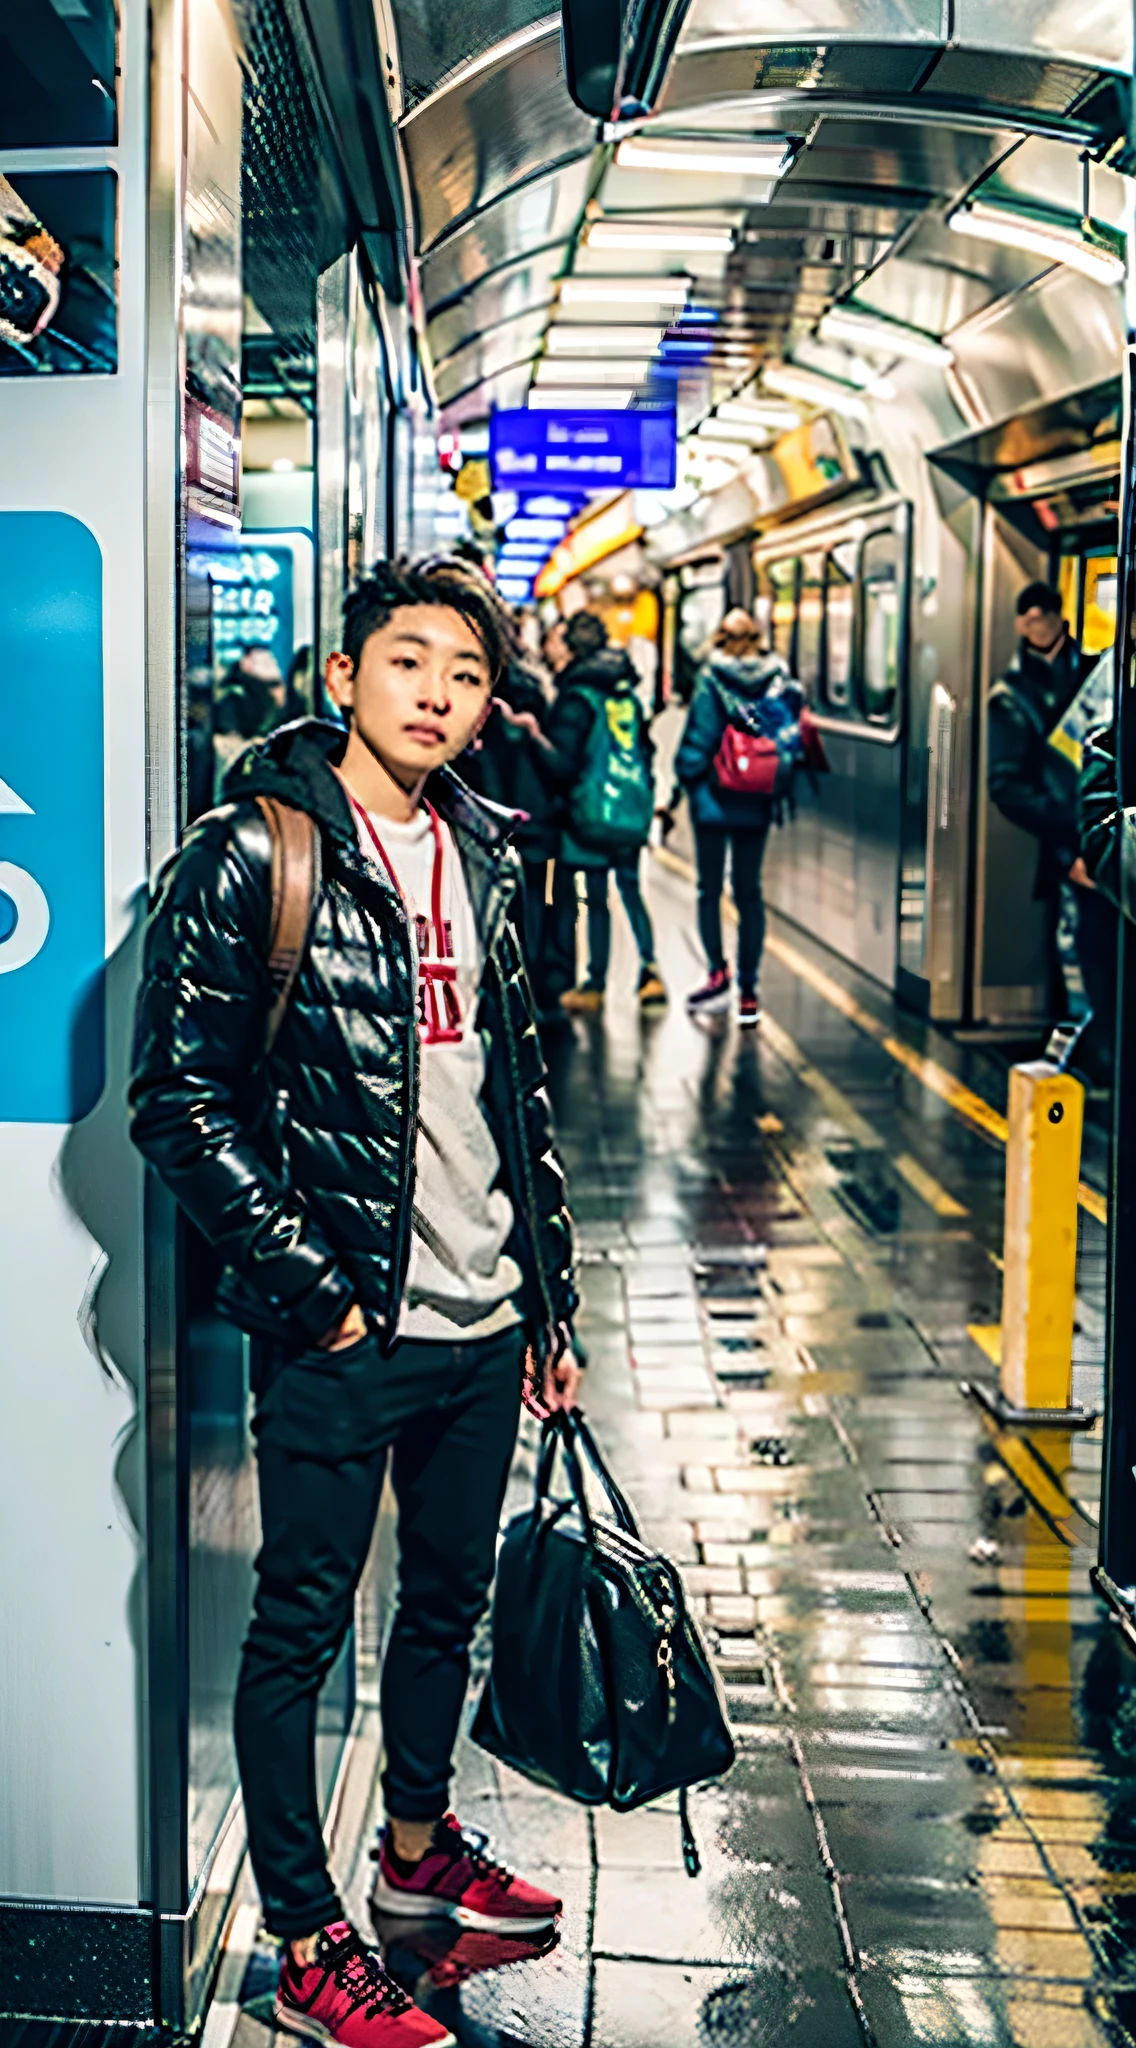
[1043, 1165]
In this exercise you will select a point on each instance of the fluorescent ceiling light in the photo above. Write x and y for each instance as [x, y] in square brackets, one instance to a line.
[1017, 231]
[756, 160]
[772, 416]
[569, 370]
[611, 234]
[823, 392]
[716, 451]
[615, 291]
[627, 341]
[718, 429]
[536, 529]
[577, 398]
[888, 337]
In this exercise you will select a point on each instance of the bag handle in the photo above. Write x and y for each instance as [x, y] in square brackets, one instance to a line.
[295, 885]
[567, 1429]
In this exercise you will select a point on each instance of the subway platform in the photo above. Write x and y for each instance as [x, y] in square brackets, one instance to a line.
[789, 1248]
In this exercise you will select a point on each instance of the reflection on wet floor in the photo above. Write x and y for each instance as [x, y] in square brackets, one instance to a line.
[930, 1832]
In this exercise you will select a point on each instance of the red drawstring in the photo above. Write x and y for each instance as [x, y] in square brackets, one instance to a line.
[440, 973]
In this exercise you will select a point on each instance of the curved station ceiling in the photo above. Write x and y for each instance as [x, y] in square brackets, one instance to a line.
[806, 203]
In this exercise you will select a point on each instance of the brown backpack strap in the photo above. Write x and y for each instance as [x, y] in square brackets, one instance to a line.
[295, 885]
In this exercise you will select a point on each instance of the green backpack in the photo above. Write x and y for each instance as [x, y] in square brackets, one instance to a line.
[611, 808]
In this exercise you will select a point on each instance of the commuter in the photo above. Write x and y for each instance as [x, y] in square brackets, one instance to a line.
[554, 648]
[512, 767]
[601, 757]
[1034, 784]
[382, 1183]
[729, 687]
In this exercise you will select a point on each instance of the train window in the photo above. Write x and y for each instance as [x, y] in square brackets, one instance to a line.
[810, 621]
[1098, 624]
[880, 577]
[782, 580]
[838, 612]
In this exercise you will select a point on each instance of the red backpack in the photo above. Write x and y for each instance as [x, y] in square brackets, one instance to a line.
[747, 763]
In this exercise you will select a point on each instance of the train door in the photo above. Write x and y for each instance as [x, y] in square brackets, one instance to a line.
[834, 597]
[1056, 523]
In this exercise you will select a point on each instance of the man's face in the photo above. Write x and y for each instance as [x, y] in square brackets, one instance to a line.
[420, 692]
[1043, 631]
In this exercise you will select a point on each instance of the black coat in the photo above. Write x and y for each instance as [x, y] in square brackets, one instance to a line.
[1108, 831]
[300, 1168]
[582, 689]
[511, 768]
[1031, 783]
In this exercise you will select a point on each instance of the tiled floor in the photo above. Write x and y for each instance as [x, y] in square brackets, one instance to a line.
[930, 1832]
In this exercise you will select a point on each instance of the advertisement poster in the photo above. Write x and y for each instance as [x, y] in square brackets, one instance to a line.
[58, 278]
[212, 299]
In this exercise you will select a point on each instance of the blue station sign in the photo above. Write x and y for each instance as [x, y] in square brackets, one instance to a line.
[591, 451]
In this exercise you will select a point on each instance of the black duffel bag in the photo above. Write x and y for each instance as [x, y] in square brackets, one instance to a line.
[601, 1686]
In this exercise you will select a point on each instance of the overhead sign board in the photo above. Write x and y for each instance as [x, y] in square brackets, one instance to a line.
[593, 451]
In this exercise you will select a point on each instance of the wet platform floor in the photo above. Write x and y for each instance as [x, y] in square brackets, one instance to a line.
[930, 1832]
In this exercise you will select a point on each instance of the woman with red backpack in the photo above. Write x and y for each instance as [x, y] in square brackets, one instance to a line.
[740, 743]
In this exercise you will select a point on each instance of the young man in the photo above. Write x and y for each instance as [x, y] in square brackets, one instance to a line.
[385, 1192]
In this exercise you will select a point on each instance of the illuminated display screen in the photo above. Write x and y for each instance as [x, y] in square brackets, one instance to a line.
[590, 450]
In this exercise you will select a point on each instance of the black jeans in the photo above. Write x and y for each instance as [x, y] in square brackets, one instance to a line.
[747, 846]
[450, 1413]
[1096, 951]
[549, 930]
[599, 918]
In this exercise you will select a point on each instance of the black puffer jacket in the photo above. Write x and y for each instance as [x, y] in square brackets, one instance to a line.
[1031, 783]
[300, 1169]
[1108, 831]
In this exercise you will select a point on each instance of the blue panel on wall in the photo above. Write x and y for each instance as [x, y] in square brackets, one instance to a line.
[52, 922]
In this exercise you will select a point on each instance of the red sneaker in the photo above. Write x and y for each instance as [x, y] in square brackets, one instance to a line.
[457, 1877]
[344, 1995]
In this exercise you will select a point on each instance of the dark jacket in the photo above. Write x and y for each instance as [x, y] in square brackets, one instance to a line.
[725, 694]
[1108, 832]
[299, 1169]
[1031, 783]
[510, 767]
[582, 689]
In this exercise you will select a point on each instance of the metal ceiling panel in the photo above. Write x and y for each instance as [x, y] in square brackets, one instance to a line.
[1060, 333]
[543, 215]
[505, 296]
[1088, 31]
[503, 124]
[995, 78]
[910, 165]
[486, 354]
[436, 37]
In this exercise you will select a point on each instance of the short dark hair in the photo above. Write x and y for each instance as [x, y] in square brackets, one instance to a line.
[437, 579]
[585, 634]
[1039, 597]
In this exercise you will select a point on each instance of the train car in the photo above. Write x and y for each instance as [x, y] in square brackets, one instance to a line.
[889, 587]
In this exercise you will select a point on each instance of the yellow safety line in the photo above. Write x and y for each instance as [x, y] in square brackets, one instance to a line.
[936, 1079]
[927, 1187]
